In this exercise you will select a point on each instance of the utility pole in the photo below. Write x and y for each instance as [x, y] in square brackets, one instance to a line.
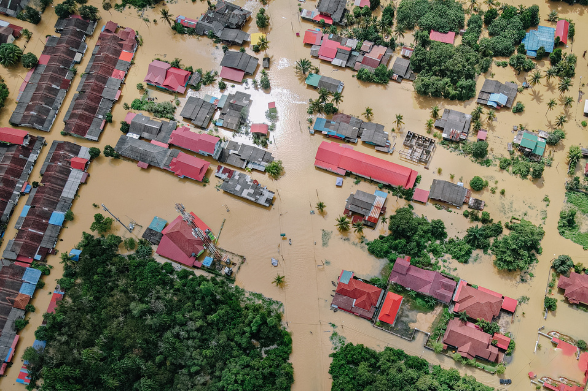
[197, 232]
[131, 226]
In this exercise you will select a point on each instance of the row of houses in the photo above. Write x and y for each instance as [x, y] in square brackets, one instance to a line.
[348, 128]
[99, 87]
[41, 219]
[45, 86]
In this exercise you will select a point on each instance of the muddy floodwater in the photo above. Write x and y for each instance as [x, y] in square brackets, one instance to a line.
[318, 251]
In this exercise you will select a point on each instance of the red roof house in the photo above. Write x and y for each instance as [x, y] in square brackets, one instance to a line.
[420, 195]
[357, 297]
[201, 143]
[502, 341]
[340, 159]
[390, 308]
[178, 243]
[442, 37]
[161, 74]
[427, 282]
[328, 20]
[156, 72]
[312, 37]
[79, 163]
[575, 287]
[232, 74]
[13, 136]
[561, 30]
[470, 342]
[260, 129]
[509, 304]
[185, 165]
[477, 303]
[482, 134]
[328, 49]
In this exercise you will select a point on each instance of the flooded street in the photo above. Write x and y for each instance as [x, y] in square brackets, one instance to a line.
[318, 251]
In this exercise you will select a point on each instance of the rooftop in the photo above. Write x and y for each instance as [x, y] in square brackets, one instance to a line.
[575, 287]
[442, 37]
[541, 37]
[390, 308]
[491, 87]
[427, 282]
[470, 342]
[448, 192]
[357, 297]
[477, 303]
[179, 244]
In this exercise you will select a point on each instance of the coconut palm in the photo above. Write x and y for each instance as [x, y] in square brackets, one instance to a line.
[368, 113]
[384, 219]
[320, 206]
[477, 112]
[560, 120]
[536, 78]
[399, 121]
[435, 112]
[491, 115]
[337, 98]
[399, 32]
[358, 227]
[568, 102]
[550, 73]
[550, 105]
[10, 54]
[552, 17]
[279, 281]
[477, 125]
[323, 95]
[303, 66]
[27, 34]
[263, 43]
[342, 223]
[314, 106]
[463, 316]
[564, 85]
[165, 15]
[429, 125]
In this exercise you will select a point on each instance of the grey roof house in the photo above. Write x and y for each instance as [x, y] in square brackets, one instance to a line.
[199, 111]
[242, 155]
[455, 125]
[235, 110]
[150, 129]
[495, 87]
[241, 61]
[402, 70]
[145, 152]
[449, 193]
[330, 84]
[241, 185]
[333, 8]
[225, 20]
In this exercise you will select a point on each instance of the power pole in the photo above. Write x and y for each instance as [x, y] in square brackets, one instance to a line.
[197, 232]
[130, 229]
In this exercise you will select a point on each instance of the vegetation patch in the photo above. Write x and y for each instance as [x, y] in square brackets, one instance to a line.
[575, 212]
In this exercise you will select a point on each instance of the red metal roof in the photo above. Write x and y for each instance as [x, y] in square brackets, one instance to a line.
[176, 79]
[327, 19]
[159, 143]
[390, 308]
[232, 74]
[183, 137]
[365, 295]
[575, 287]
[178, 243]
[189, 166]
[509, 304]
[470, 341]
[442, 37]
[12, 136]
[126, 56]
[44, 59]
[331, 154]
[421, 195]
[110, 26]
[561, 30]
[129, 117]
[259, 128]
[312, 37]
[79, 163]
[502, 340]
[482, 134]
[156, 72]
[328, 49]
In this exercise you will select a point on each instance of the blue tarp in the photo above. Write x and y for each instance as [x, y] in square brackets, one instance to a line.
[31, 275]
[497, 99]
[57, 218]
[534, 39]
[27, 189]
[339, 182]
[25, 210]
[382, 194]
[27, 289]
[158, 224]
[39, 345]
[346, 276]
[75, 254]
[207, 261]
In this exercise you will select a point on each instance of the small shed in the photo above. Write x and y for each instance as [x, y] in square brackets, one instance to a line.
[260, 129]
[157, 224]
[502, 341]
[420, 195]
[207, 261]
[561, 30]
[79, 163]
[75, 254]
[482, 134]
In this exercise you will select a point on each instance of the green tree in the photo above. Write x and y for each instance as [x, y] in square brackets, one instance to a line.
[130, 244]
[491, 116]
[166, 16]
[553, 16]
[463, 316]
[343, 223]
[550, 105]
[101, 224]
[560, 120]
[275, 169]
[26, 34]
[89, 12]
[480, 149]
[477, 183]
[550, 303]
[574, 156]
[564, 85]
[429, 125]
[562, 264]
[10, 54]
[69, 216]
[358, 227]
[568, 102]
[477, 112]
[399, 121]
[279, 281]
[320, 206]
[94, 152]
[261, 19]
[368, 113]
[263, 43]
[65, 9]
[435, 112]
[554, 137]
[29, 60]
[536, 78]
[518, 249]
[110, 152]
[337, 98]
[303, 66]
[581, 344]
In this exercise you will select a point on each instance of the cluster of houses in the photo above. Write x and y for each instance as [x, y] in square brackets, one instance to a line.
[100, 85]
[466, 338]
[8, 32]
[45, 86]
[351, 129]
[12, 7]
[234, 110]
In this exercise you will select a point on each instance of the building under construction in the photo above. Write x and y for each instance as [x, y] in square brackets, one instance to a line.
[418, 149]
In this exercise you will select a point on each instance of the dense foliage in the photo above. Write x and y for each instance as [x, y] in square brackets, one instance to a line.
[130, 323]
[10, 54]
[3, 92]
[563, 264]
[162, 110]
[355, 367]
[477, 183]
[518, 249]
[507, 30]
[438, 15]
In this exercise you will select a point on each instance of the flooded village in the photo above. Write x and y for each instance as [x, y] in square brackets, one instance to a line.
[339, 176]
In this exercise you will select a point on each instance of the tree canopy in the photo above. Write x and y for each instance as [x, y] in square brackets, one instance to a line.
[438, 15]
[518, 249]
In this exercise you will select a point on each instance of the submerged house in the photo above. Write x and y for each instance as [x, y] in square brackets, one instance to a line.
[561, 30]
[349, 128]
[390, 308]
[148, 128]
[242, 185]
[449, 193]
[481, 303]
[199, 111]
[179, 244]
[12, 7]
[471, 342]
[530, 144]
[575, 287]
[225, 21]
[328, 83]
[356, 297]
[244, 156]
[201, 143]
[541, 37]
[401, 70]
[340, 130]
[235, 65]
[496, 94]
[333, 9]
[448, 37]
[454, 124]
[235, 111]
[162, 75]
[367, 207]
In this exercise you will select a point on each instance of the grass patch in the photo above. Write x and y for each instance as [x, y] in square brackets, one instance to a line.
[577, 202]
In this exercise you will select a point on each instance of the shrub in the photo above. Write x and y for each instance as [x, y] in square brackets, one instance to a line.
[275, 169]
[477, 183]
[10, 54]
[554, 137]
[29, 60]
[94, 152]
[20, 324]
[563, 264]
[518, 108]
[550, 303]
[581, 344]
[480, 149]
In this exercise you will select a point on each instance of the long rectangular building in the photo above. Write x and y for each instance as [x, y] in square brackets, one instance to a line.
[99, 88]
[45, 87]
[43, 215]
[341, 159]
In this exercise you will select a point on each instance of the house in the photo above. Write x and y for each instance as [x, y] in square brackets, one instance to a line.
[406, 52]
[530, 144]
[162, 75]
[374, 134]
[448, 37]
[401, 70]
[482, 135]
[260, 129]
[235, 111]
[199, 111]
[420, 195]
[502, 341]
[368, 206]
[339, 130]
[152, 154]
[341, 159]
[236, 64]
[471, 342]
[356, 297]
[243, 155]
[195, 79]
[561, 30]
[14, 136]
[100, 84]
[148, 128]
[186, 22]
[390, 308]
[477, 303]
[201, 143]
[42, 217]
[449, 193]
[542, 37]
[6, 34]
[328, 83]
[455, 125]
[497, 94]
[189, 166]
[45, 87]
[427, 282]
[313, 37]
[349, 128]
[12, 7]
[241, 185]
[179, 244]
[335, 9]
[575, 287]
[77, 22]
[225, 20]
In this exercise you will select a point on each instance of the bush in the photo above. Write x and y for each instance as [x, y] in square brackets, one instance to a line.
[275, 169]
[477, 183]
[518, 249]
[540, 53]
[89, 12]
[69, 216]
[504, 163]
[563, 264]
[125, 127]
[65, 9]
[20, 324]
[222, 85]
[10, 55]
[261, 19]
[480, 149]
[490, 16]
[581, 344]
[554, 137]
[94, 152]
[550, 303]
[29, 60]
[518, 108]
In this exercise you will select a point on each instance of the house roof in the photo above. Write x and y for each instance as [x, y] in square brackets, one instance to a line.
[390, 308]
[495, 87]
[334, 157]
[178, 243]
[482, 134]
[183, 137]
[334, 8]
[189, 166]
[156, 73]
[470, 342]
[13, 136]
[534, 39]
[420, 195]
[176, 79]
[79, 163]
[502, 340]
[509, 304]
[259, 128]
[21, 301]
[313, 79]
[561, 30]
[312, 37]
[241, 61]
[232, 74]
[476, 303]
[448, 192]
[575, 287]
[427, 282]
[328, 49]
[357, 297]
[442, 37]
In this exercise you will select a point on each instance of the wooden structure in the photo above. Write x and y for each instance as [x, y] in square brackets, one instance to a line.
[418, 149]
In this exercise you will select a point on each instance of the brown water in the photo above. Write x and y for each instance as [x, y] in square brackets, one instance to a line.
[132, 193]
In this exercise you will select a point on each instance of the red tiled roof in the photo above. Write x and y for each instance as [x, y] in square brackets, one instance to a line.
[232, 74]
[156, 72]
[561, 30]
[189, 166]
[178, 243]
[259, 128]
[176, 79]
[183, 137]
[390, 308]
[420, 195]
[331, 154]
[357, 297]
[12, 136]
[575, 287]
[442, 37]
[21, 301]
[427, 282]
[110, 26]
[470, 342]
[502, 340]
[477, 304]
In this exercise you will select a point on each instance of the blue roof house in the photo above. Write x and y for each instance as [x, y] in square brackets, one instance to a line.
[534, 39]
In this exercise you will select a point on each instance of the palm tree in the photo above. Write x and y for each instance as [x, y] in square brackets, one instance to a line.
[564, 85]
[358, 227]
[399, 121]
[368, 113]
[536, 78]
[263, 43]
[491, 115]
[342, 223]
[314, 105]
[463, 316]
[279, 281]
[568, 101]
[303, 66]
[337, 98]
[550, 73]
[552, 17]
[399, 32]
[550, 105]
[320, 206]
[165, 15]
[384, 219]
[323, 95]
[560, 120]
[477, 125]
[473, 3]
[477, 112]
[435, 112]
[27, 34]
[430, 124]
[10, 54]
